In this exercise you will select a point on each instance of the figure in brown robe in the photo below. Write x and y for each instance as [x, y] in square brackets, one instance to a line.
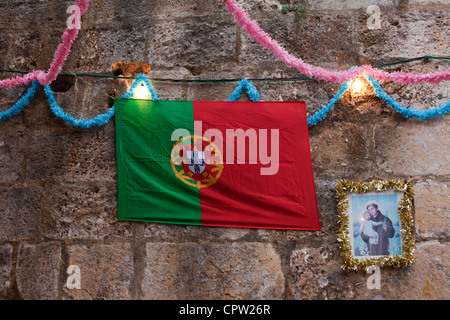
[385, 231]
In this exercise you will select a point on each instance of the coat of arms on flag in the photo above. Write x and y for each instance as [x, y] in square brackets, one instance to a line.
[230, 164]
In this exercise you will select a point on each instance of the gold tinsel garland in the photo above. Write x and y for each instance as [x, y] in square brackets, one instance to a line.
[343, 187]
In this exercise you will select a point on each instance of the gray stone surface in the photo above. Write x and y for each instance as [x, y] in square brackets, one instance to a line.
[432, 204]
[20, 213]
[85, 212]
[422, 146]
[5, 269]
[11, 155]
[237, 271]
[38, 270]
[73, 155]
[317, 275]
[106, 271]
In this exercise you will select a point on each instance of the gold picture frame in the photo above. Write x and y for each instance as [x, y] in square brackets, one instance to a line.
[360, 213]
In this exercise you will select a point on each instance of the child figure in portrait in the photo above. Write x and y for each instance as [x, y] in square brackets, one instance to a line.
[367, 228]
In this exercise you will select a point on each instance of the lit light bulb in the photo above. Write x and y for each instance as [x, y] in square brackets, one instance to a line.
[357, 86]
[141, 92]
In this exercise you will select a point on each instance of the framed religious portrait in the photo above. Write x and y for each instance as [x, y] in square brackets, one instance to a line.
[375, 223]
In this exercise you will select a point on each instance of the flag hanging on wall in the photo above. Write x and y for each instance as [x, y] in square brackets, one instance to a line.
[231, 164]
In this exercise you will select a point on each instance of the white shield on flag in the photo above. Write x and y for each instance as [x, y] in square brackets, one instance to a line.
[196, 161]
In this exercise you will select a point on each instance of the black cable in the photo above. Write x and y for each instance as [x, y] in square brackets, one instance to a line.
[98, 75]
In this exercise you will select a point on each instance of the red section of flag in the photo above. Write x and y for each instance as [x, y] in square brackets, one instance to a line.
[242, 196]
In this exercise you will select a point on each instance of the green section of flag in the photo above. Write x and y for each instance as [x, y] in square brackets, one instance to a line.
[148, 189]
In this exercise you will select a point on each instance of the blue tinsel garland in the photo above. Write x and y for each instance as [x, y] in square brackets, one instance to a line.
[253, 94]
[21, 103]
[142, 78]
[99, 120]
[408, 112]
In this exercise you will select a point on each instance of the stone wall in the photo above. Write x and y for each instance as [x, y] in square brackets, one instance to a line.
[58, 192]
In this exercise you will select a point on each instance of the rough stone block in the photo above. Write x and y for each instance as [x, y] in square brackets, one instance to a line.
[98, 51]
[346, 4]
[38, 268]
[4, 42]
[168, 90]
[340, 150]
[432, 205]
[404, 34]
[256, 8]
[20, 212]
[173, 44]
[430, 273]
[106, 271]
[5, 269]
[172, 232]
[426, 279]
[315, 94]
[428, 2]
[33, 49]
[114, 12]
[413, 147]
[317, 275]
[12, 145]
[212, 92]
[79, 154]
[37, 112]
[212, 271]
[20, 13]
[315, 33]
[85, 212]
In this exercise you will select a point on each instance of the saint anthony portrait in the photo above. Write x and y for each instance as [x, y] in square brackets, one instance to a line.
[377, 230]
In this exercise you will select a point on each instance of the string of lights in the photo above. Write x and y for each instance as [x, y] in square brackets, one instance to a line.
[143, 89]
[270, 79]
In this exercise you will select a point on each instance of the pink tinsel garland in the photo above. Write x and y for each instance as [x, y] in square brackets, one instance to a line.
[60, 56]
[253, 29]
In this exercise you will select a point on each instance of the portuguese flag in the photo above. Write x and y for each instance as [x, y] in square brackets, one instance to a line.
[212, 163]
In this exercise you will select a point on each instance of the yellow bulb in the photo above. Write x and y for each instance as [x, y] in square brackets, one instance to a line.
[357, 86]
[141, 92]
